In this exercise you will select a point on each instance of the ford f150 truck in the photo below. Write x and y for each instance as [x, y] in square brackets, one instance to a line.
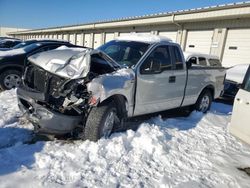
[94, 91]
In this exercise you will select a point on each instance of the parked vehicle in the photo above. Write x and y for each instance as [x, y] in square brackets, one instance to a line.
[12, 61]
[94, 91]
[240, 119]
[7, 44]
[198, 59]
[3, 38]
[31, 41]
[234, 79]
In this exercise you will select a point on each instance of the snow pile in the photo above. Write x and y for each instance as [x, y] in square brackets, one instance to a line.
[12, 128]
[194, 151]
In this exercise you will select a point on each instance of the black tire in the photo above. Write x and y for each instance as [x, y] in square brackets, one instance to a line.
[204, 101]
[94, 127]
[9, 74]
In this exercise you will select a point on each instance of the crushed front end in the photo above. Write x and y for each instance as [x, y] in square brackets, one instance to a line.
[55, 103]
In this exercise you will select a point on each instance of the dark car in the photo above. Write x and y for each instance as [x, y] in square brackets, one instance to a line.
[12, 61]
[7, 44]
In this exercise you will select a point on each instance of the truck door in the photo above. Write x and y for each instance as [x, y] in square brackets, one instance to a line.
[240, 126]
[179, 73]
[156, 83]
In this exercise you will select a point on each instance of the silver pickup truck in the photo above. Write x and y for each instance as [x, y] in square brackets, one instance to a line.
[94, 91]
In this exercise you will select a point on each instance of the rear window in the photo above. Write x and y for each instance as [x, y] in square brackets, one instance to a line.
[202, 61]
[214, 62]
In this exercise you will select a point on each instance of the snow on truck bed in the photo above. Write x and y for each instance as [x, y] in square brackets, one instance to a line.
[194, 151]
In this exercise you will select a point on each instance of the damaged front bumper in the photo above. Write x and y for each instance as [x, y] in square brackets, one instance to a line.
[45, 120]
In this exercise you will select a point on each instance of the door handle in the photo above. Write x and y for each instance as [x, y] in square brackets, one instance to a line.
[171, 79]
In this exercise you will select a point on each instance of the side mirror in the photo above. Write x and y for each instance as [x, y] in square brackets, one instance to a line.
[188, 64]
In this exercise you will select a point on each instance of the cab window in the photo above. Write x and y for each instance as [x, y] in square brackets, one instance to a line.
[192, 60]
[159, 60]
[176, 58]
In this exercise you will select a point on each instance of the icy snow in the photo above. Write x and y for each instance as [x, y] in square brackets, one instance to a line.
[194, 151]
[141, 37]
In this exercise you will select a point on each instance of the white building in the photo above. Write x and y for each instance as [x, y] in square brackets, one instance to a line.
[5, 30]
[222, 30]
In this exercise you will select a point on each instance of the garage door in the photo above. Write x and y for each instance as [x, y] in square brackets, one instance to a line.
[87, 40]
[55, 36]
[97, 40]
[170, 34]
[124, 34]
[109, 37]
[237, 48]
[79, 39]
[65, 37]
[72, 39]
[59, 36]
[199, 41]
[146, 32]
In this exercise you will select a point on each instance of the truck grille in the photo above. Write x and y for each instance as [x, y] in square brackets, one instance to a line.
[40, 80]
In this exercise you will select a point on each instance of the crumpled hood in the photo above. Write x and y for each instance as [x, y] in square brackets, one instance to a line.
[58, 61]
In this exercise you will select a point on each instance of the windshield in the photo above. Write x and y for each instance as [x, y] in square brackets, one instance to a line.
[125, 53]
[22, 44]
[30, 47]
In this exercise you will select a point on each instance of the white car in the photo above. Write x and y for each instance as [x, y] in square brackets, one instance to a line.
[200, 59]
[240, 126]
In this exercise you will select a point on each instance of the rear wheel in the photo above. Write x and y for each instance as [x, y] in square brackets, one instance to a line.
[204, 101]
[100, 122]
[10, 79]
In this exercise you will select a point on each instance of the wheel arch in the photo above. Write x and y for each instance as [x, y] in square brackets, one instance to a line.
[121, 104]
[209, 87]
[11, 67]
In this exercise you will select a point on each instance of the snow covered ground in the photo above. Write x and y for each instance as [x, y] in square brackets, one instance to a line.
[194, 151]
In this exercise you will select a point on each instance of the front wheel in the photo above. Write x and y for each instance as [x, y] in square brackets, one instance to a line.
[100, 122]
[204, 101]
[10, 79]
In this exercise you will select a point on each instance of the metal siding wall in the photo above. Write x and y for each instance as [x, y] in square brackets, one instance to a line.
[169, 34]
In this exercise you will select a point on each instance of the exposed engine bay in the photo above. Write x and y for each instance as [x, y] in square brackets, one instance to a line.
[62, 94]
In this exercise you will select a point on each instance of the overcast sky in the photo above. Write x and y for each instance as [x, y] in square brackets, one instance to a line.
[51, 13]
